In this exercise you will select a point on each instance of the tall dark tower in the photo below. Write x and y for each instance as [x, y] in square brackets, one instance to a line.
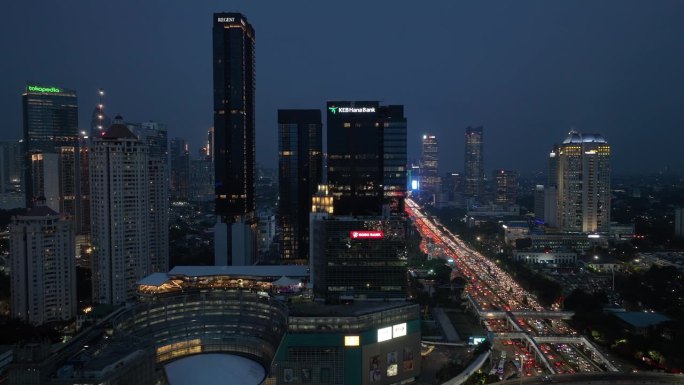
[300, 161]
[233, 39]
[474, 162]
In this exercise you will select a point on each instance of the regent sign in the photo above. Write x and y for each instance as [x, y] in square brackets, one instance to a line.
[366, 234]
[44, 89]
[226, 20]
[355, 110]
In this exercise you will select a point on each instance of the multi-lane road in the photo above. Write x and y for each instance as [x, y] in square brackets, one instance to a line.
[508, 311]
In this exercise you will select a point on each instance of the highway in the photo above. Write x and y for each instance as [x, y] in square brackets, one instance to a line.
[602, 378]
[507, 309]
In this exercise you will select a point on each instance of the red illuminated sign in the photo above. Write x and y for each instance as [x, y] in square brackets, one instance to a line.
[366, 234]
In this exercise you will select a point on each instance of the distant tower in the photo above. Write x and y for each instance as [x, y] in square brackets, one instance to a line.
[429, 179]
[99, 120]
[180, 168]
[584, 184]
[43, 272]
[474, 162]
[506, 186]
[120, 208]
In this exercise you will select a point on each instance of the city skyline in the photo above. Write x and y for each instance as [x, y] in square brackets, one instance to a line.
[529, 79]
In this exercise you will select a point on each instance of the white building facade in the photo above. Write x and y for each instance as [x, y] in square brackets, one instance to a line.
[43, 272]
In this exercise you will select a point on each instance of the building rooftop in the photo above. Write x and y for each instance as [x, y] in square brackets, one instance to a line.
[358, 308]
[575, 137]
[276, 271]
[639, 319]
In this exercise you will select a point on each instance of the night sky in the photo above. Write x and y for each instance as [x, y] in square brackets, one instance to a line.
[528, 71]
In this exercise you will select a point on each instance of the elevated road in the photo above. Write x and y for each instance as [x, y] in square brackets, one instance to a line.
[601, 379]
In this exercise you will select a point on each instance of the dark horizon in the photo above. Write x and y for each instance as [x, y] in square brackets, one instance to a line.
[527, 72]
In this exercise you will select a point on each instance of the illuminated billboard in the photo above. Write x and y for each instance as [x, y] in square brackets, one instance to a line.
[399, 330]
[51, 90]
[366, 234]
[415, 184]
[385, 334]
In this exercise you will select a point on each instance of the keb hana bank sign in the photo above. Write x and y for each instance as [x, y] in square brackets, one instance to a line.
[366, 234]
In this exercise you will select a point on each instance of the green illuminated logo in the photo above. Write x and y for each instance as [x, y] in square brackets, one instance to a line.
[44, 89]
[333, 110]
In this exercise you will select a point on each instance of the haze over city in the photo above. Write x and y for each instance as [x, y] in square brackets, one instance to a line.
[526, 71]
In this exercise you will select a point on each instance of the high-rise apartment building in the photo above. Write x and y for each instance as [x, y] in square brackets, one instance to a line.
[429, 179]
[50, 122]
[583, 195]
[179, 152]
[506, 186]
[300, 152]
[366, 157]
[155, 136]
[234, 157]
[124, 214]
[474, 162]
[43, 272]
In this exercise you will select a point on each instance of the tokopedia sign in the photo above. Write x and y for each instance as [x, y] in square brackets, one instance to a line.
[52, 90]
[355, 110]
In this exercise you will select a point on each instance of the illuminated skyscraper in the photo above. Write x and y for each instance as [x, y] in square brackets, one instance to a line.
[234, 81]
[506, 186]
[583, 196]
[50, 122]
[474, 162]
[300, 142]
[429, 179]
[366, 157]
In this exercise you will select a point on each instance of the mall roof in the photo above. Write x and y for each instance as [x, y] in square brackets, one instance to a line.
[211, 368]
[251, 271]
[154, 279]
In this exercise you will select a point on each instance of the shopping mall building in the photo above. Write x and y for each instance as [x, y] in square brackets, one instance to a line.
[235, 325]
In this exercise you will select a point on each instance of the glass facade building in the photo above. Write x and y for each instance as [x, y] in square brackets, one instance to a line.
[474, 162]
[360, 258]
[366, 157]
[50, 122]
[234, 157]
[300, 142]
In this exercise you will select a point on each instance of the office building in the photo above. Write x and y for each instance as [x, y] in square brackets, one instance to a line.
[506, 191]
[50, 122]
[11, 163]
[362, 258]
[429, 179]
[366, 158]
[179, 152]
[202, 179]
[539, 202]
[300, 142]
[474, 162]
[583, 194]
[124, 250]
[234, 82]
[43, 273]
